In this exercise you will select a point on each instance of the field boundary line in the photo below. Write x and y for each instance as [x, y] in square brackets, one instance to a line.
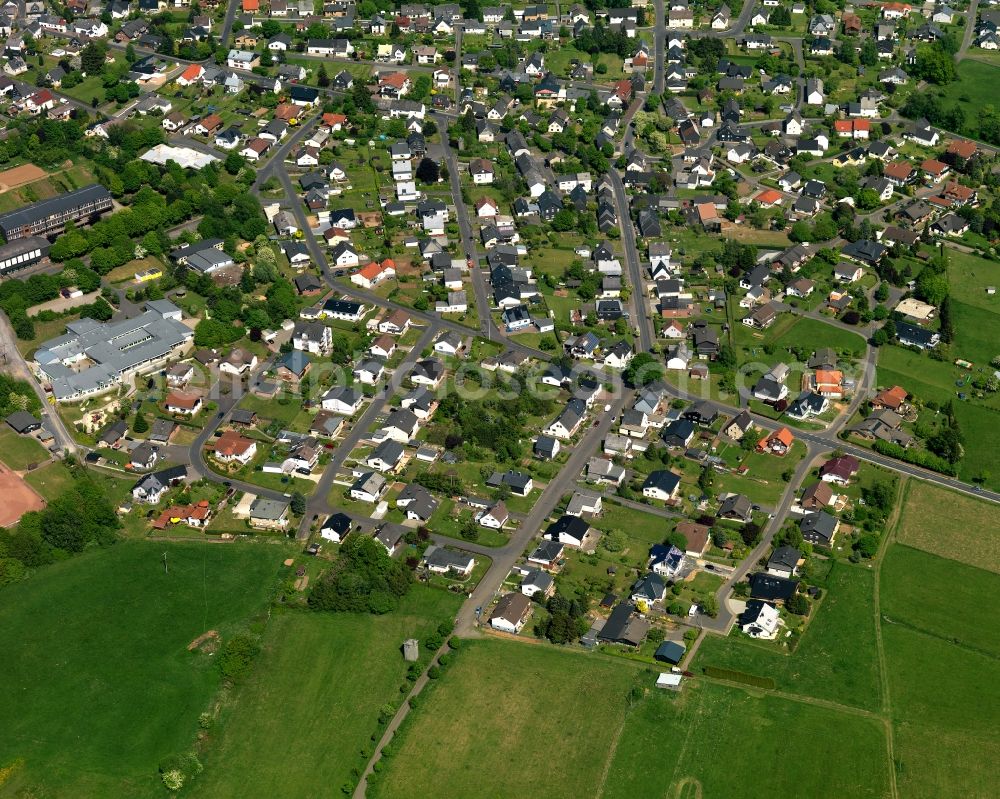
[891, 528]
[801, 698]
[611, 756]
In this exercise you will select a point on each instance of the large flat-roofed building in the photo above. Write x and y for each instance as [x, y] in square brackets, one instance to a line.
[22, 253]
[46, 216]
[92, 356]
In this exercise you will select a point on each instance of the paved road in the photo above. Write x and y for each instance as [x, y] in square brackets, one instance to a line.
[318, 504]
[14, 364]
[659, 48]
[640, 317]
[505, 557]
[970, 30]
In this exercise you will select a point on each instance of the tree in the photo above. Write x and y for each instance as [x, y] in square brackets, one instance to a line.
[92, 58]
[428, 171]
[322, 77]
[798, 604]
[298, 503]
[643, 369]
[614, 541]
[139, 424]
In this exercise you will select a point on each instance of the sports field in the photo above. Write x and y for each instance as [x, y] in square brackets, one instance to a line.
[297, 727]
[98, 683]
[18, 497]
[952, 525]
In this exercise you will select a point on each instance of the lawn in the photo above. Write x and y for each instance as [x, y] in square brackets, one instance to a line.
[49, 481]
[712, 740]
[296, 728]
[835, 658]
[972, 91]
[99, 683]
[508, 719]
[952, 525]
[922, 591]
[763, 484]
[975, 328]
[20, 452]
[815, 334]
[968, 277]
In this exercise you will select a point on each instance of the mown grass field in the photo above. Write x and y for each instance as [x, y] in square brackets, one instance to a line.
[925, 592]
[19, 452]
[297, 727]
[952, 525]
[968, 277]
[972, 90]
[50, 480]
[509, 719]
[712, 740]
[836, 658]
[99, 685]
[815, 334]
[945, 705]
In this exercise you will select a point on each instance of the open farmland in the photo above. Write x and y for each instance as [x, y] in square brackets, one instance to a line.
[711, 740]
[519, 704]
[321, 708]
[92, 709]
[952, 525]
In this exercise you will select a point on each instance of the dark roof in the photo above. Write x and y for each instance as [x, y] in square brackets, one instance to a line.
[23, 422]
[339, 522]
[662, 479]
[670, 652]
[570, 525]
[53, 206]
[767, 586]
[785, 557]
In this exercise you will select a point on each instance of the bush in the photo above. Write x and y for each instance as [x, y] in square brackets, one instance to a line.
[237, 657]
[433, 672]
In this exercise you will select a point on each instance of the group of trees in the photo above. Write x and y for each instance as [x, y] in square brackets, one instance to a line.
[567, 620]
[363, 580]
[493, 423]
[80, 517]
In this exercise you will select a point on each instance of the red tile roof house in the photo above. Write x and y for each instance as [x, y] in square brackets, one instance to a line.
[962, 148]
[898, 172]
[891, 398]
[934, 169]
[768, 198]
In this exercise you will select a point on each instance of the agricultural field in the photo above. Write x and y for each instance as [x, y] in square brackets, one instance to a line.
[712, 739]
[945, 703]
[952, 525]
[913, 585]
[968, 277]
[93, 711]
[491, 724]
[19, 452]
[835, 658]
[296, 728]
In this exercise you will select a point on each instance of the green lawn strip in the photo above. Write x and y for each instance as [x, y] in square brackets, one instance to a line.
[20, 452]
[490, 725]
[835, 658]
[50, 480]
[297, 727]
[914, 584]
[109, 630]
[670, 747]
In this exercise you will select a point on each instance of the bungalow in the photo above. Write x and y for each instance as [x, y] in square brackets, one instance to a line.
[368, 487]
[231, 447]
[568, 530]
[511, 613]
[183, 403]
[342, 400]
